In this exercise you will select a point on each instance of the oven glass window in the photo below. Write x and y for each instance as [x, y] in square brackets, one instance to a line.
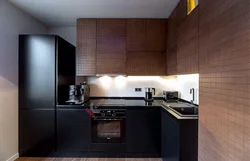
[109, 129]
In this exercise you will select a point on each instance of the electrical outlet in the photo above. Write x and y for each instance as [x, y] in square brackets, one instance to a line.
[137, 89]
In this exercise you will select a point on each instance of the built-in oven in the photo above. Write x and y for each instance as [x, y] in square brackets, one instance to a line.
[109, 130]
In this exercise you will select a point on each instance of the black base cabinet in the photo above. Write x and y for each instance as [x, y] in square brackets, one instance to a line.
[179, 138]
[170, 138]
[143, 131]
[73, 131]
[36, 133]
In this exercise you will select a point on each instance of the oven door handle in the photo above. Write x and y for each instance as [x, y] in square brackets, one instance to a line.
[96, 119]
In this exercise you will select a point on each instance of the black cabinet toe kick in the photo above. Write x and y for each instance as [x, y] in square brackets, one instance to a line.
[104, 155]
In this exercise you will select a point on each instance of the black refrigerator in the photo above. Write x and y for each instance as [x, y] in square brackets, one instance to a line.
[46, 69]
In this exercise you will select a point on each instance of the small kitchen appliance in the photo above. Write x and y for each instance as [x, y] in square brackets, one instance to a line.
[74, 92]
[149, 93]
[78, 94]
[170, 96]
[85, 92]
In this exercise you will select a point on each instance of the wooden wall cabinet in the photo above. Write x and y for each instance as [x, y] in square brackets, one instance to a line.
[156, 35]
[121, 46]
[86, 47]
[181, 12]
[146, 35]
[111, 46]
[136, 35]
[182, 41]
[172, 61]
[146, 63]
[187, 44]
[146, 46]
[171, 57]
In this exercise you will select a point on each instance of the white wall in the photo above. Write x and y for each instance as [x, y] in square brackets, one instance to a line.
[185, 83]
[12, 22]
[67, 33]
[125, 86]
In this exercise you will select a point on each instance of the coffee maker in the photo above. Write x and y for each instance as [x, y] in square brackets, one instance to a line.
[149, 93]
[74, 93]
[78, 94]
[85, 92]
[171, 96]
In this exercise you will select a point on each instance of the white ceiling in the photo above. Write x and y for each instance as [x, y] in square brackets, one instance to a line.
[65, 12]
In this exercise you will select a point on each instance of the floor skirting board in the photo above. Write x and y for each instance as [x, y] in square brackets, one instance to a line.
[13, 158]
[88, 159]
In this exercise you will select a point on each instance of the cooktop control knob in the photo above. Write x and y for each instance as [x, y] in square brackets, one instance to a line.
[108, 113]
[113, 114]
[103, 113]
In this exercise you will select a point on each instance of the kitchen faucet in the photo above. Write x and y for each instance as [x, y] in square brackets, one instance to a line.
[192, 92]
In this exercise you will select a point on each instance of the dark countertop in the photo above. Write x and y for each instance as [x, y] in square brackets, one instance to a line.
[124, 102]
[128, 103]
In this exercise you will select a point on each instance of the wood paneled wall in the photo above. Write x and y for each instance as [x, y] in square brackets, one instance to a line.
[224, 67]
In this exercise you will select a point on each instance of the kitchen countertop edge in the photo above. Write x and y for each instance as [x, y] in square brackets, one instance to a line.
[158, 103]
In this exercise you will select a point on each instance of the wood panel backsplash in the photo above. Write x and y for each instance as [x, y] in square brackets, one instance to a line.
[224, 67]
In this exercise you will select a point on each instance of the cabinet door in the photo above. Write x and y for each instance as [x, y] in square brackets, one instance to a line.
[156, 35]
[73, 130]
[146, 63]
[171, 44]
[172, 61]
[37, 74]
[187, 44]
[111, 46]
[86, 47]
[176, 19]
[36, 133]
[136, 35]
[172, 31]
[143, 130]
[170, 138]
[66, 69]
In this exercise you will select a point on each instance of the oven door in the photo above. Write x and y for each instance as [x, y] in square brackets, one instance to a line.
[108, 130]
[108, 135]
